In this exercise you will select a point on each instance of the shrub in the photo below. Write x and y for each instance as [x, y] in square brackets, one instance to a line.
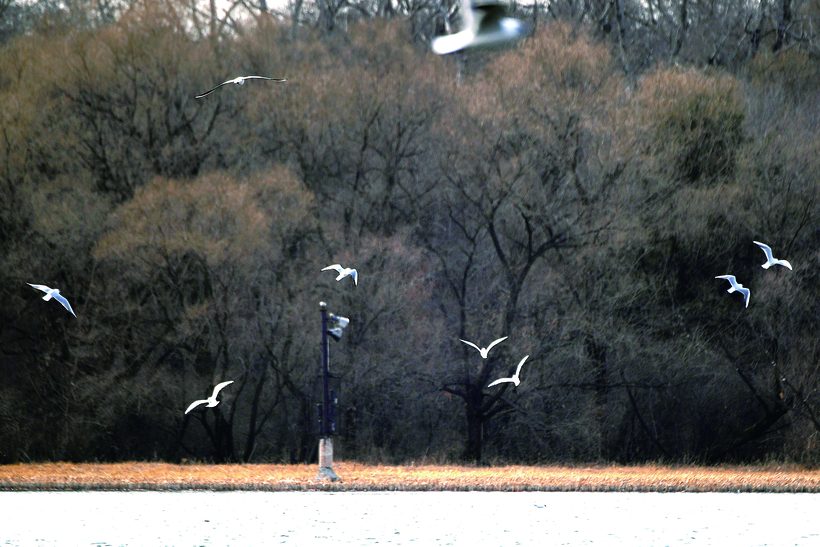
[695, 122]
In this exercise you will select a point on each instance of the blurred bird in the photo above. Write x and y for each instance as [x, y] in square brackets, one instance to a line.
[735, 287]
[484, 24]
[515, 379]
[54, 293]
[344, 272]
[770, 260]
[210, 401]
[241, 81]
[484, 351]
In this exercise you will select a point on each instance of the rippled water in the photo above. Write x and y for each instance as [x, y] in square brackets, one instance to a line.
[407, 518]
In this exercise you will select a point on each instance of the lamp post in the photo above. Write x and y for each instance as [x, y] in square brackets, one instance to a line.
[331, 325]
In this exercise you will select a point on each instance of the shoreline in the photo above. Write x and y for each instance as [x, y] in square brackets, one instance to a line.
[357, 477]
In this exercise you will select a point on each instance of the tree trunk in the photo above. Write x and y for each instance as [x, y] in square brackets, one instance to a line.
[757, 33]
[684, 26]
[475, 426]
[783, 25]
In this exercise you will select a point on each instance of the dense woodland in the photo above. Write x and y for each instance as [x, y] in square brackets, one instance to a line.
[577, 192]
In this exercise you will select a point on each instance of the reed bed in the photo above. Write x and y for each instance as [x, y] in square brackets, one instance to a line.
[361, 477]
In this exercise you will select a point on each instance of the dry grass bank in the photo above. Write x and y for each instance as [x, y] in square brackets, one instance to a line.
[360, 477]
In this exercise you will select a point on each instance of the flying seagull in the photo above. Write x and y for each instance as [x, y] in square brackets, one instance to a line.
[484, 351]
[770, 260]
[484, 24]
[210, 401]
[54, 293]
[241, 81]
[735, 286]
[515, 379]
[344, 272]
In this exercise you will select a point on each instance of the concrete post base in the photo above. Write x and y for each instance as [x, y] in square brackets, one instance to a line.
[327, 473]
[326, 461]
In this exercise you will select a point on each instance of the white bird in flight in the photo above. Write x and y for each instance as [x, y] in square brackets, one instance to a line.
[54, 293]
[240, 81]
[515, 379]
[770, 260]
[344, 272]
[210, 401]
[735, 287]
[484, 351]
[484, 24]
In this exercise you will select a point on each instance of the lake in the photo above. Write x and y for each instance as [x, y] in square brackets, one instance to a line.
[196, 518]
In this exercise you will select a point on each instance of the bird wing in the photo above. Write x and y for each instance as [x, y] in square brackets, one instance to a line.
[521, 364]
[494, 342]
[196, 404]
[471, 344]
[745, 293]
[784, 263]
[450, 43]
[766, 249]
[337, 267]
[731, 279]
[501, 381]
[219, 387]
[266, 78]
[40, 287]
[467, 16]
[213, 89]
[355, 276]
[62, 300]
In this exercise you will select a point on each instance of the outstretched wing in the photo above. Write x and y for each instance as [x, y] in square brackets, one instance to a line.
[212, 90]
[40, 287]
[337, 267]
[501, 381]
[62, 300]
[196, 404]
[265, 78]
[746, 294]
[355, 275]
[471, 344]
[219, 387]
[521, 364]
[732, 281]
[450, 43]
[766, 249]
[496, 342]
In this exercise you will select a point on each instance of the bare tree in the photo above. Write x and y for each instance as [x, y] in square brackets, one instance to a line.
[216, 255]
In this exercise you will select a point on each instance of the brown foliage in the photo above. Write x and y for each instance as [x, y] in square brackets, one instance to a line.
[697, 123]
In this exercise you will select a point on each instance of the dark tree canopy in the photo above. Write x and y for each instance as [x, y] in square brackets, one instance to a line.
[578, 193]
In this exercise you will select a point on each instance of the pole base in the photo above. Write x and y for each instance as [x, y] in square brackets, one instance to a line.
[327, 473]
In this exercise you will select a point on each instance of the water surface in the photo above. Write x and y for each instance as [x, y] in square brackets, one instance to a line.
[496, 519]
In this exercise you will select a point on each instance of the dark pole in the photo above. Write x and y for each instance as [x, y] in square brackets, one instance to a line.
[325, 374]
[325, 442]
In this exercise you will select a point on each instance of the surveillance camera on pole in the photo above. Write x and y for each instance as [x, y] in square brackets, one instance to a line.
[335, 326]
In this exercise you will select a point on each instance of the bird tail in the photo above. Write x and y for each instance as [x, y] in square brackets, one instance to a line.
[47, 297]
[767, 265]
